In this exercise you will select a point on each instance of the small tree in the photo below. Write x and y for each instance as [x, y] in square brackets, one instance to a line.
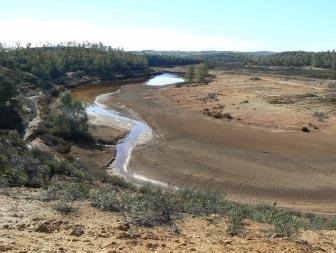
[201, 72]
[71, 121]
[189, 75]
[7, 91]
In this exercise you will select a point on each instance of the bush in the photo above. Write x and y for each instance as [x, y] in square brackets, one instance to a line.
[66, 191]
[286, 224]
[58, 144]
[236, 214]
[202, 202]
[12, 177]
[106, 198]
[256, 78]
[320, 115]
[119, 182]
[218, 114]
[318, 223]
[153, 206]
[18, 166]
[211, 96]
[64, 208]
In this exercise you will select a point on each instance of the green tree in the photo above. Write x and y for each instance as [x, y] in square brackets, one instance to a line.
[201, 72]
[71, 120]
[189, 74]
[7, 91]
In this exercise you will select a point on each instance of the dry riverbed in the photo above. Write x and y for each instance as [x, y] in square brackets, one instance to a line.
[259, 155]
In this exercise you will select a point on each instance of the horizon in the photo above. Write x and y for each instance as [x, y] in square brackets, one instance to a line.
[137, 25]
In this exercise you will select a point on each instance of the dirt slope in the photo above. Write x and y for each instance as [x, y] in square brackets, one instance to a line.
[24, 228]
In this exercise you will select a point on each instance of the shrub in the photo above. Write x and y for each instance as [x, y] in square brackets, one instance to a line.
[119, 182]
[305, 129]
[58, 144]
[12, 177]
[196, 201]
[286, 224]
[64, 208]
[318, 223]
[66, 191]
[154, 206]
[106, 199]
[321, 115]
[236, 214]
[256, 78]
[211, 96]
[219, 114]
[18, 166]
[261, 213]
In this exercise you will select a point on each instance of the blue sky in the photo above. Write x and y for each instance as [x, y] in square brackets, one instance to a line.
[239, 25]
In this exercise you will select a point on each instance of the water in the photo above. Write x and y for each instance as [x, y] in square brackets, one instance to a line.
[164, 79]
[139, 133]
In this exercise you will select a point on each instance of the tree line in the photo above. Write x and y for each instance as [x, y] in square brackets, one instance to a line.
[301, 59]
[215, 59]
[51, 62]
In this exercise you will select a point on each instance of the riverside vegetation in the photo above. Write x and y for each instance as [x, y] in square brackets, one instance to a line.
[40, 72]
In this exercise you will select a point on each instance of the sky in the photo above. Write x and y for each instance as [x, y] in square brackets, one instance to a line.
[230, 25]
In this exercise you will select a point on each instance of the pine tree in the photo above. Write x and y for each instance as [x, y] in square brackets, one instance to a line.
[71, 120]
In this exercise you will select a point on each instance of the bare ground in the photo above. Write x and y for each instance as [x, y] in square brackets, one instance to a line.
[24, 228]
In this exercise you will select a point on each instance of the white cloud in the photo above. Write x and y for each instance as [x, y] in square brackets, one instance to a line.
[39, 31]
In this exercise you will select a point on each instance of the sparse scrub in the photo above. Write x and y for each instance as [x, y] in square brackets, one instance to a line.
[255, 78]
[58, 144]
[147, 205]
[106, 198]
[218, 114]
[332, 86]
[202, 202]
[66, 191]
[155, 206]
[236, 214]
[286, 224]
[64, 208]
[119, 182]
[320, 115]
[211, 96]
[314, 222]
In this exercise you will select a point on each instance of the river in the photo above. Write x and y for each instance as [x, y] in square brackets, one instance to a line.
[138, 134]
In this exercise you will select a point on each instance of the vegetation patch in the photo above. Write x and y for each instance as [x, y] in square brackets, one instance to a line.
[64, 208]
[218, 114]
